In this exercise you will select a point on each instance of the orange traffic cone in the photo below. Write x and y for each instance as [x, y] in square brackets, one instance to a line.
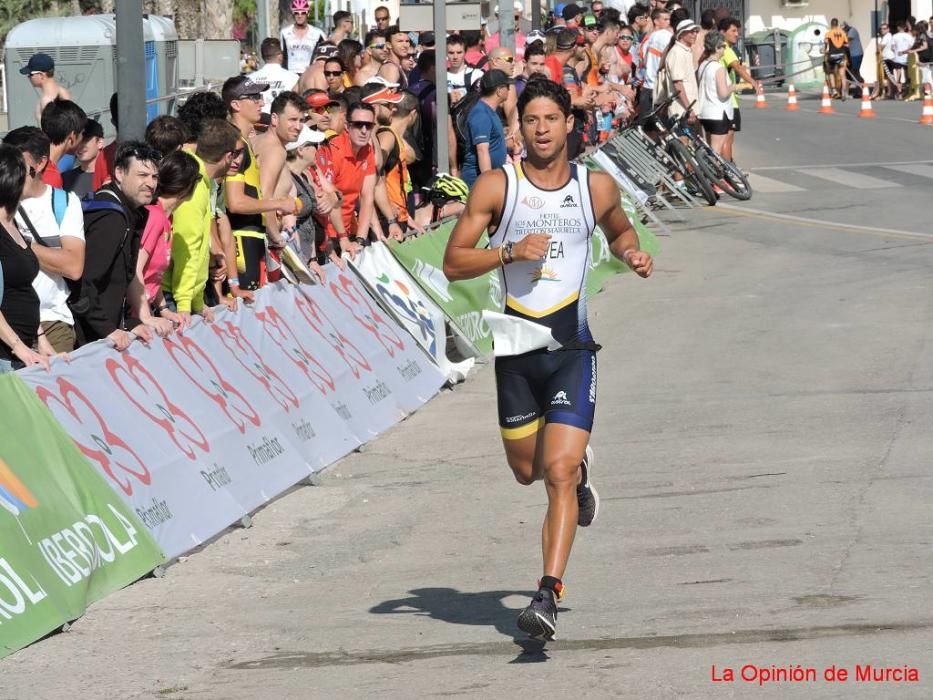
[826, 103]
[866, 112]
[760, 100]
[792, 99]
[926, 116]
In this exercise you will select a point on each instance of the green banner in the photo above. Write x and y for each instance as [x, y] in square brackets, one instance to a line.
[66, 539]
[463, 301]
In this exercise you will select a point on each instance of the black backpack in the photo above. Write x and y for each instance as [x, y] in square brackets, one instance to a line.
[459, 113]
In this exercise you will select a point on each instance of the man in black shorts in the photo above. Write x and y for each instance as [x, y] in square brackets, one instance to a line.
[541, 213]
[729, 28]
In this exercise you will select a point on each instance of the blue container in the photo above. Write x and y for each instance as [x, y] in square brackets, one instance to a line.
[152, 81]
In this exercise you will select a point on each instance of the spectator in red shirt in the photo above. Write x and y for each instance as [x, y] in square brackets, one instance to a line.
[348, 161]
[63, 122]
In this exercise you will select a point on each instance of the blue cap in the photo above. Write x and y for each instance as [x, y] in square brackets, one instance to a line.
[39, 62]
[559, 8]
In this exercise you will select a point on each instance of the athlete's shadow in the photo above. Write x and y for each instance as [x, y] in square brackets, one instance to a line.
[458, 608]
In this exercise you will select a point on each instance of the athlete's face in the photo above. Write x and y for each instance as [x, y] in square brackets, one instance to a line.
[379, 50]
[663, 21]
[455, 56]
[400, 44]
[360, 126]
[545, 128]
[301, 17]
[333, 74]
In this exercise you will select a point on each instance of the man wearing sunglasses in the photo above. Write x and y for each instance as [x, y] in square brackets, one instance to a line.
[375, 55]
[272, 73]
[382, 17]
[348, 161]
[41, 73]
[299, 40]
[246, 206]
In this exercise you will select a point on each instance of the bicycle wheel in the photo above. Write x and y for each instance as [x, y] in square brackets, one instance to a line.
[694, 172]
[725, 173]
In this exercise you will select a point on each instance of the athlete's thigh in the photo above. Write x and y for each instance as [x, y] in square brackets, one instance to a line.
[562, 448]
[570, 397]
[520, 413]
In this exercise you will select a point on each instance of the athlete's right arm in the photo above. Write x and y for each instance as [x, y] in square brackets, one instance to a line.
[238, 202]
[463, 260]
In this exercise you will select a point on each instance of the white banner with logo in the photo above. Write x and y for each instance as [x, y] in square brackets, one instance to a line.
[413, 309]
[199, 429]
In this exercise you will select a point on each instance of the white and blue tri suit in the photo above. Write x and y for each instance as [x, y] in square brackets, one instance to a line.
[551, 380]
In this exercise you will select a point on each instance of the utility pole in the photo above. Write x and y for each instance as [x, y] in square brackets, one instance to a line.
[440, 85]
[131, 70]
[536, 14]
[507, 25]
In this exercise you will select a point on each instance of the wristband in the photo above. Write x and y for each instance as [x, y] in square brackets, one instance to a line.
[508, 252]
[233, 281]
[500, 250]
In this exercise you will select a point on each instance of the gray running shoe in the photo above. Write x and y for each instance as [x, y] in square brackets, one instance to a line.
[539, 619]
[587, 497]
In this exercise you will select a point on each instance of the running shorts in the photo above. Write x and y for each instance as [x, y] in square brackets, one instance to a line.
[716, 127]
[541, 387]
[736, 123]
[250, 258]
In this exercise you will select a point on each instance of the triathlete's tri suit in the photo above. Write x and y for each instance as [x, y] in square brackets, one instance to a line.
[543, 386]
[249, 232]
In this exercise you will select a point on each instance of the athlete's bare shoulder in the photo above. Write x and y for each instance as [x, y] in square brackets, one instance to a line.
[488, 192]
[604, 192]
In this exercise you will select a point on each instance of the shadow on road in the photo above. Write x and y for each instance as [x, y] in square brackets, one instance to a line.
[484, 608]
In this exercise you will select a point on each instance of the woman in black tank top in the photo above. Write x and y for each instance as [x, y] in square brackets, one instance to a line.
[19, 308]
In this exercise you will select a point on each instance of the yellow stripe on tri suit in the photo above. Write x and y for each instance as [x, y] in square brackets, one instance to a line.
[522, 431]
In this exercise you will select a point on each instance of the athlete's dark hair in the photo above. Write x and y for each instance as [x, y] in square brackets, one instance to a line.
[360, 105]
[679, 15]
[31, 140]
[727, 23]
[636, 11]
[217, 137]
[373, 34]
[178, 175]
[166, 133]
[338, 61]
[283, 99]
[347, 51]
[12, 177]
[341, 15]
[200, 107]
[541, 86]
[471, 37]
[393, 30]
[658, 11]
[426, 61]
[708, 18]
[60, 118]
[456, 39]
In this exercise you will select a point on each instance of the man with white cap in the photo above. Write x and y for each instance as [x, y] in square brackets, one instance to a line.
[679, 78]
[494, 41]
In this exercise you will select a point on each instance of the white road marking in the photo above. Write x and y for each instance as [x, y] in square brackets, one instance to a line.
[848, 178]
[916, 169]
[766, 185]
[871, 164]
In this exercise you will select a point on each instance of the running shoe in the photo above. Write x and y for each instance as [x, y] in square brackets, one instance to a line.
[587, 497]
[539, 619]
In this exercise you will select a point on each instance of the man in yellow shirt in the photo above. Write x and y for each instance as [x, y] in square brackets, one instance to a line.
[218, 146]
[836, 59]
[729, 28]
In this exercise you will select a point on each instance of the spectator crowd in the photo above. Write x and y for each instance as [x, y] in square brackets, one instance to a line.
[329, 145]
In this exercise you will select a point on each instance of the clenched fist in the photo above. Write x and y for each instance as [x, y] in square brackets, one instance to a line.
[640, 262]
[532, 247]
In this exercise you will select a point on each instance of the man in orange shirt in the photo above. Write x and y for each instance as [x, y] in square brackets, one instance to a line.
[347, 160]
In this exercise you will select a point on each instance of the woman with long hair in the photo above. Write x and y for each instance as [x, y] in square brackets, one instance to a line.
[19, 308]
[178, 175]
[714, 104]
[350, 53]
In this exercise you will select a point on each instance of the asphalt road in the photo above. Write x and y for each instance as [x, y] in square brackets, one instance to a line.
[763, 452]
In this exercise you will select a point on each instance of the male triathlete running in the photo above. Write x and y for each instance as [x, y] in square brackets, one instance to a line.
[541, 213]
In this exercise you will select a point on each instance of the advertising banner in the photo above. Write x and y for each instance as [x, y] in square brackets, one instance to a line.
[196, 430]
[66, 539]
[410, 306]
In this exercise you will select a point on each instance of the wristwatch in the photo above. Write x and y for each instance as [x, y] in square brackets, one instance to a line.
[508, 252]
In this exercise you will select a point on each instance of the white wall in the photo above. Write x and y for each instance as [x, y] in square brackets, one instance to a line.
[769, 14]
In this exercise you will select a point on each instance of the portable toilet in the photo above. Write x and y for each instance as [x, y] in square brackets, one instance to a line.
[166, 53]
[805, 55]
[84, 54]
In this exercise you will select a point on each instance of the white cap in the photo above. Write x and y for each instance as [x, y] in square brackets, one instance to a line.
[685, 25]
[379, 80]
[305, 137]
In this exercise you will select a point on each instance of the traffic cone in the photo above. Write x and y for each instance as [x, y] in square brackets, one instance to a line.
[826, 104]
[792, 99]
[866, 112]
[760, 100]
[926, 116]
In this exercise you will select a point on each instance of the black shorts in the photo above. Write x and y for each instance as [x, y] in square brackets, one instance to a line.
[250, 258]
[716, 127]
[645, 103]
[545, 387]
[836, 59]
[736, 123]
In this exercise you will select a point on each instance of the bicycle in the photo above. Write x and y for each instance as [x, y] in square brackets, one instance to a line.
[725, 174]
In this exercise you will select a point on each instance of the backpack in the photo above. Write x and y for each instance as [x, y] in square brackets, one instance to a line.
[422, 139]
[459, 113]
[926, 56]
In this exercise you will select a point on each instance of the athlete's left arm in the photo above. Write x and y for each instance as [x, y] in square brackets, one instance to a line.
[623, 240]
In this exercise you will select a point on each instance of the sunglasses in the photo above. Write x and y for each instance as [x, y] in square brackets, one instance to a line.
[377, 46]
[300, 12]
[36, 72]
[333, 73]
[254, 97]
[382, 19]
[626, 37]
[361, 125]
[332, 109]
[507, 59]
[146, 153]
